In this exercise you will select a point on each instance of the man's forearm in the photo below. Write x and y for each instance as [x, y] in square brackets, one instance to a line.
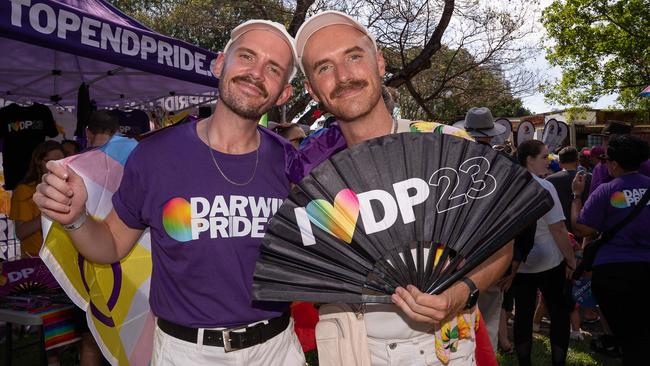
[491, 271]
[579, 229]
[95, 242]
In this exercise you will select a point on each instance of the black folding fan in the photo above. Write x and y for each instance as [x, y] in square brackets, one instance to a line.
[412, 208]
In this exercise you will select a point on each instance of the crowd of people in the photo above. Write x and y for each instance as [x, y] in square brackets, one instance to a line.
[228, 155]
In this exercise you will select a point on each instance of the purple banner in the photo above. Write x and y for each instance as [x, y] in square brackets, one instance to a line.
[58, 26]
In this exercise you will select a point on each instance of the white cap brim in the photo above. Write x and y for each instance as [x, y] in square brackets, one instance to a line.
[266, 25]
[320, 21]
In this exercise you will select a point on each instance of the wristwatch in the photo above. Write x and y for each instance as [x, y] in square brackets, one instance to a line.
[473, 293]
[577, 196]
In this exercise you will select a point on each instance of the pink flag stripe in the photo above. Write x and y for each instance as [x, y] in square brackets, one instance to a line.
[94, 164]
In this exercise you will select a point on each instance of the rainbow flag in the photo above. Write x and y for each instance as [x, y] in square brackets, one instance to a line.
[115, 297]
[58, 325]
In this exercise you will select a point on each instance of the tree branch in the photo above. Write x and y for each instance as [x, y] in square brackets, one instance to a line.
[299, 15]
[423, 60]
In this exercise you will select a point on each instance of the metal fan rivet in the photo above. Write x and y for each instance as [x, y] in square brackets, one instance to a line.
[421, 351]
[392, 345]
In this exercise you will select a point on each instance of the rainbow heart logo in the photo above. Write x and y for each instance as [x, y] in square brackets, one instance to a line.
[339, 219]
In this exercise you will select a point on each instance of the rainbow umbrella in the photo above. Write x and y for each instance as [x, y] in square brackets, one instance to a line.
[646, 91]
[115, 297]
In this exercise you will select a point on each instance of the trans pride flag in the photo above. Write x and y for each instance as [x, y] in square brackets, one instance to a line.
[115, 297]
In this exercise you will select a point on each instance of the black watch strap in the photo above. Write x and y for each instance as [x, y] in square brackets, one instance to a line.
[472, 299]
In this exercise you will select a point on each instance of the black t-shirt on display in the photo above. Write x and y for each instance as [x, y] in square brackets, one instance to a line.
[22, 129]
[133, 123]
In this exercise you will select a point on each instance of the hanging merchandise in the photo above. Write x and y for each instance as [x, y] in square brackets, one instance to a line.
[22, 129]
[133, 123]
[409, 208]
[66, 123]
[84, 108]
[525, 132]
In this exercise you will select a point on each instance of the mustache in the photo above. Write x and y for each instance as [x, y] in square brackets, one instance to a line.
[250, 80]
[349, 85]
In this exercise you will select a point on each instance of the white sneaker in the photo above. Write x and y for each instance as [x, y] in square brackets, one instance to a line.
[576, 335]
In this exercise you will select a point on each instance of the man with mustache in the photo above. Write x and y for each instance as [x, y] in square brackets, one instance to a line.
[345, 76]
[207, 209]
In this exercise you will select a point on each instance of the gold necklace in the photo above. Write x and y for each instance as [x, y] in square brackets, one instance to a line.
[257, 155]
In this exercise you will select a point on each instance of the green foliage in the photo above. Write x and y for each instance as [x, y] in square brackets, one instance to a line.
[602, 46]
[205, 23]
[456, 81]
[449, 97]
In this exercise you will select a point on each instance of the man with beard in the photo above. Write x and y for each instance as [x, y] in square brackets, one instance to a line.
[345, 76]
[207, 209]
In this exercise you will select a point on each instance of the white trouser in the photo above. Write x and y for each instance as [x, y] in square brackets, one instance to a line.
[419, 351]
[282, 350]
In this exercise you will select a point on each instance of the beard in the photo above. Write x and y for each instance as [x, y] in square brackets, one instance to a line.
[248, 108]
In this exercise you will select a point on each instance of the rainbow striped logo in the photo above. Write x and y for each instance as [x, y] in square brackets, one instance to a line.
[177, 218]
[618, 200]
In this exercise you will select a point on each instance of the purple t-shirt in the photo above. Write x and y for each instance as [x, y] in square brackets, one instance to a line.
[205, 231]
[609, 204]
[601, 175]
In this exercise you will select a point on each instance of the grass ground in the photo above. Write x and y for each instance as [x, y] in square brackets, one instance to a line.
[580, 354]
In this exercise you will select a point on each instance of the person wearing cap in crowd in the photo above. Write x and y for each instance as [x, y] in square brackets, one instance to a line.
[480, 125]
[562, 180]
[600, 173]
[621, 267]
[207, 210]
[595, 156]
[345, 76]
[584, 160]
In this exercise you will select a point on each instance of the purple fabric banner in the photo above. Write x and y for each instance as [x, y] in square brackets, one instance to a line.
[58, 26]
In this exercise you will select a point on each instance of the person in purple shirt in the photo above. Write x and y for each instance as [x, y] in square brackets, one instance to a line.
[600, 173]
[207, 210]
[621, 268]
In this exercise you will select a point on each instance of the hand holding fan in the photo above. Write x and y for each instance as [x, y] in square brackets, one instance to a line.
[420, 209]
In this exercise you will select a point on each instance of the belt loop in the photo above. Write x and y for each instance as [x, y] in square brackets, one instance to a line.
[199, 336]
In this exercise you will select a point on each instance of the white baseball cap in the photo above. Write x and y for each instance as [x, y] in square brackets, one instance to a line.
[267, 25]
[322, 20]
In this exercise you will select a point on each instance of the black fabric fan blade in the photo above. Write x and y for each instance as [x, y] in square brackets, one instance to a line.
[421, 209]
